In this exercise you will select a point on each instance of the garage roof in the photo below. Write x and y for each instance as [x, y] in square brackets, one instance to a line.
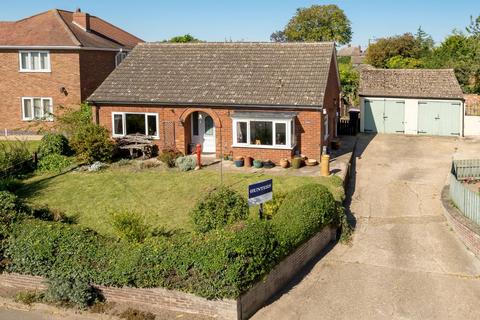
[266, 74]
[410, 83]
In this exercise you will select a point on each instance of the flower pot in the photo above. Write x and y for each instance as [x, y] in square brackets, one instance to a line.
[311, 162]
[284, 163]
[257, 163]
[268, 164]
[239, 163]
[297, 163]
[230, 157]
[248, 161]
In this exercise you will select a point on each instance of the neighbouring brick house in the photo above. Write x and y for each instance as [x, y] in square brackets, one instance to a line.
[264, 100]
[55, 58]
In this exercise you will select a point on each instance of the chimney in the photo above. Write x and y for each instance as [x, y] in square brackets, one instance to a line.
[81, 19]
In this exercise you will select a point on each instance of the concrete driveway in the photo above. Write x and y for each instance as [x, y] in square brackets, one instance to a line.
[404, 261]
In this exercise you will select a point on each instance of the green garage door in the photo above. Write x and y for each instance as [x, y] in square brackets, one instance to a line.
[439, 118]
[384, 116]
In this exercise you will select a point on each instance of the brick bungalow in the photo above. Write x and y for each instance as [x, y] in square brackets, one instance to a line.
[54, 58]
[264, 100]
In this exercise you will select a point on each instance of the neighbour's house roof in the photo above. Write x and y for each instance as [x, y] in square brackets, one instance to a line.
[55, 28]
[410, 83]
[350, 51]
[288, 74]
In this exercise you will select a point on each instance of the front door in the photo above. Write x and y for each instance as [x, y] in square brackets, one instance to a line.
[203, 131]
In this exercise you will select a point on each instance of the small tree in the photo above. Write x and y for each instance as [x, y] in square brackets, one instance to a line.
[317, 23]
[184, 39]
[350, 79]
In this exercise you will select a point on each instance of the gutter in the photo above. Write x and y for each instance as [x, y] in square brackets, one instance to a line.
[211, 105]
[409, 97]
[62, 48]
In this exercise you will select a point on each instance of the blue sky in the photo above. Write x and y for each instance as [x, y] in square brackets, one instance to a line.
[255, 20]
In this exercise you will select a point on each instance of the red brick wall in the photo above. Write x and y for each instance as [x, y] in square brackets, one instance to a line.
[95, 66]
[308, 130]
[65, 72]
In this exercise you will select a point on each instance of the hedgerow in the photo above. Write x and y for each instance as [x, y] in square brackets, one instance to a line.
[221, 263]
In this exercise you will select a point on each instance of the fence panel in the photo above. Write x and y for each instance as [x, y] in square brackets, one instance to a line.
[465, 199]
[467, 169]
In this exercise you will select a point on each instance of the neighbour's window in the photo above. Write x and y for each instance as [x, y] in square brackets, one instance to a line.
[37, 109]
[261, 133]
[35, 61]
[209, 127]
[325, 126]
[271, 133]
[135, 123]
[119, 57]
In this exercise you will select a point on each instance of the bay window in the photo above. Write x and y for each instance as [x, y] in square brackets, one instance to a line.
[261, 132]
[128, 123]
[37, 109]
[34, 61]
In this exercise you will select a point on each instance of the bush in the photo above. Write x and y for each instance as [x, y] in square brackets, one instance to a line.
[53, 163]
[218, 209]
[15, 158]
[10, 184]
[53, 143]
[68, 290]
[28, 297]
[305, 211]
[130, 226]
[186, 163]
[12, 210]
[169, 155]
[92, 143]
[271, 207]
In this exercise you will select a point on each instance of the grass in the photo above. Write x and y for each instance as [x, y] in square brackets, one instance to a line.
[162, 196]
[32, 145]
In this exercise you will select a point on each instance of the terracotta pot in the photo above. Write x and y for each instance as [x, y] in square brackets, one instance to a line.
[311, 162]
[248, 161]
[284, 163]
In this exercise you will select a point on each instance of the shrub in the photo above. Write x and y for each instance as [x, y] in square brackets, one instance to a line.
[15, 158]
[10, 184]
[12, 210]
[304, 212]
[219, 208]
[28, 297]
[271, 207]
[130, 225]
[169, 155]
[186, 163]
[73, 289]
[53, 163]
[92, 143]
[53, 143]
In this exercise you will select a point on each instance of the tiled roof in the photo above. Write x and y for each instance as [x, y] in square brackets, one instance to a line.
[410, 83]
[221, 73]
[55, 28]
[350, 51]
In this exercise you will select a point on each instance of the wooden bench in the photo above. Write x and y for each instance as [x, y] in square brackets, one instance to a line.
[137, 143]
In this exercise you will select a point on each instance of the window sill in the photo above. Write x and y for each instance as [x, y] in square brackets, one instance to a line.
[251, 146]
[123, 136]
[38, 120]
[35, 71]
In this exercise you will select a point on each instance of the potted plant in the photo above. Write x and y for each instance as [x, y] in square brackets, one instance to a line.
[248, 161]
[239, 162]
[297, 162]
[257, 163]
[268, 164]
[311, 162]
[284, 163]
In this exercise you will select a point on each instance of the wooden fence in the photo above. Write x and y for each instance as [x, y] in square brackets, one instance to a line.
[468, 201]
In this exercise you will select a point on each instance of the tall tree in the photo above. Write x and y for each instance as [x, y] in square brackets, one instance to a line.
[317, 23]
[278, 36]
[384, 49]
[474, 27]
[425, 40]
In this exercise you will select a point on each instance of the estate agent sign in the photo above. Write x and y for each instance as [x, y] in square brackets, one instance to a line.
[259, 193]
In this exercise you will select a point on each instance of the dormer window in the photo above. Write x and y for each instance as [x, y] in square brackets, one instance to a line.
[34, 61]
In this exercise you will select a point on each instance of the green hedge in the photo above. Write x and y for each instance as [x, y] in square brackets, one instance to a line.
[221, 263]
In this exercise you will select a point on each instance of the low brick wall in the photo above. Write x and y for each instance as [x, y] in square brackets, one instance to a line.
[466, 230]
[156, 299]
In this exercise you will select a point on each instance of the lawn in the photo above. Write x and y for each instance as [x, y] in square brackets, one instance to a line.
[163, 196]
[32, 145]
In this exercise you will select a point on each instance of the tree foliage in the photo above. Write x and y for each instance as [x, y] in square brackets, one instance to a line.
[405, 46]
[184, 39]
[317, 23]
[350, 79]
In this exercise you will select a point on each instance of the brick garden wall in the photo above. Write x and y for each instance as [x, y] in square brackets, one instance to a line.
[65, 72]
[308, 130]
[156, 299]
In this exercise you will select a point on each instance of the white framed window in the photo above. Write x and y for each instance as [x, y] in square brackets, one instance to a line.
[34, 61]
[127, 123]
[120, 56]
[264, 133]
[325, 126]
[37, 108]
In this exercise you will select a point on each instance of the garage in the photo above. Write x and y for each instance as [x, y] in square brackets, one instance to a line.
[384, 116]
[439, 118]
[406, 101]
